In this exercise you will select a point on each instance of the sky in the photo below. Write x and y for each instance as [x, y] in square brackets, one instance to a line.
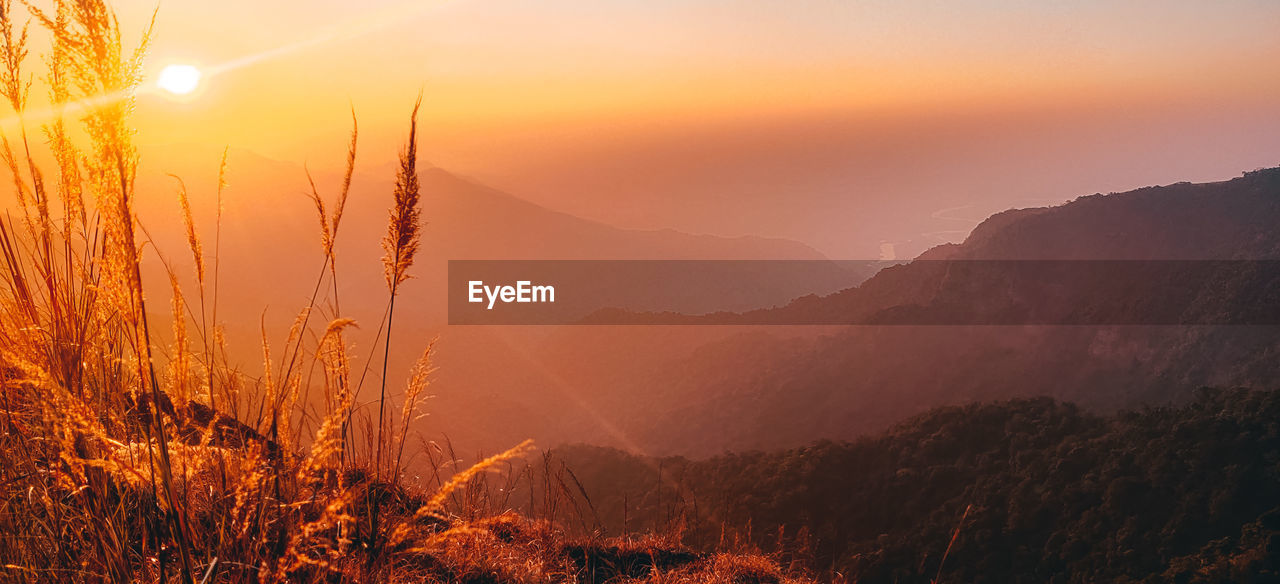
[845, 125]
[503, 62]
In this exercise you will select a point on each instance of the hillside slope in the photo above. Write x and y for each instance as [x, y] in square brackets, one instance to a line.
[1032, 490]
[760, 389]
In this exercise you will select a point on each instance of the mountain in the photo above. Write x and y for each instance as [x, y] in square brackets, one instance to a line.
[768, 387]
[270, 230]
[1045, 265]
[747, 387]
[1028, 490]
[495, 386]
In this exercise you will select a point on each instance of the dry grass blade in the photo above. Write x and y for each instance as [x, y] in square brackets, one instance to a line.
[193, 238]
[404, 228]
[437, 501]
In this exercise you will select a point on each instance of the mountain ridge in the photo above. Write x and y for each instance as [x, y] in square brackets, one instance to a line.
[766, 388]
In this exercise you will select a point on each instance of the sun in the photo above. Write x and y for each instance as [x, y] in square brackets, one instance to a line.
[179, 79]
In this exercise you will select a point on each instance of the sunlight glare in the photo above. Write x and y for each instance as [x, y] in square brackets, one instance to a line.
[179, 79]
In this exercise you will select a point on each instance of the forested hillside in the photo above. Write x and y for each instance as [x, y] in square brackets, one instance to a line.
[1032, 490]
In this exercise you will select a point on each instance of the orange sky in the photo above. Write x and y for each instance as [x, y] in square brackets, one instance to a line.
[487, 64]
[527, 95]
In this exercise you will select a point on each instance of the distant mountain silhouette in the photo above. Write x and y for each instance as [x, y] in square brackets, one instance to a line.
[494, 386]
[705, 389]
[268, 217]
[1143, 252]
[768, 387]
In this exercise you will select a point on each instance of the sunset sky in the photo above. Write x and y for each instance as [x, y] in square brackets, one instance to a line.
[708, 116]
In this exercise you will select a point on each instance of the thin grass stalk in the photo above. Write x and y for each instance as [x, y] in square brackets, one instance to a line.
[401, 245]
[419, 378]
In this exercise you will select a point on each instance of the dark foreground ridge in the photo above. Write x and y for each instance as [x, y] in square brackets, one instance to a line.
[511, 549]
[1032, 490]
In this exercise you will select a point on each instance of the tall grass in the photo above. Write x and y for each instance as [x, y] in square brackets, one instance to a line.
[119, 465]
[122, 460]
[404, 230]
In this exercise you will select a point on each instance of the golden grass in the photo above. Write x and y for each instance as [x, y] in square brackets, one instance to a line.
[118, 466]
[121, 467]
